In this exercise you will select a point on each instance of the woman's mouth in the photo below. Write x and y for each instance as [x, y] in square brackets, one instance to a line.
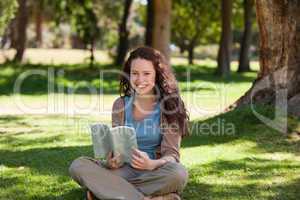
[141, 86]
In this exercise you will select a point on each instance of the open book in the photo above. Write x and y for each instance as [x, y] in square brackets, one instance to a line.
[120, 139]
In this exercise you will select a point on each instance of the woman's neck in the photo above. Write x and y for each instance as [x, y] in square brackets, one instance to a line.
[145, 99]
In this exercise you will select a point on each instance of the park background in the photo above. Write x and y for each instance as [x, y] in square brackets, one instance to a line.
[218, 50]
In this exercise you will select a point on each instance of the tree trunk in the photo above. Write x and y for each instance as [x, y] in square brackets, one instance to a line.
[278, 80]
[182, 48]
[224, 52]
[21, 30]
[77, 43]
[244, 63]
[191, 54]
[92, 52]
[161, 26]
[123, 34]
[13, 34]
[149, 25]
[39, 24]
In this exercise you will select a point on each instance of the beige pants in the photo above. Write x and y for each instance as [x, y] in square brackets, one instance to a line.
[126, 182]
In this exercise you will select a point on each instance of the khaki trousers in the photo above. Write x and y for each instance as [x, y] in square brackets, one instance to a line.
[127, 183]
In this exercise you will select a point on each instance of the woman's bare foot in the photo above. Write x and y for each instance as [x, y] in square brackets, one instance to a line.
[89, 195]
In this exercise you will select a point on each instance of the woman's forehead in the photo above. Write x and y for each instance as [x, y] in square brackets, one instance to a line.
[140, 64]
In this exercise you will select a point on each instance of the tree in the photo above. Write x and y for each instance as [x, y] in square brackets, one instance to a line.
[194, 23]
[244, 63]
[279, 73]
[161, 26]
[38, 15]
[85, 24]
[224, 53]
[22, 20]
[83, 20]
[124, 33]
[149, 23]
[7, 10]
[109, 14]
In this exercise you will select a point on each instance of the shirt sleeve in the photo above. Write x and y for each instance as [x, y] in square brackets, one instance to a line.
[170, 144]
[117, 114]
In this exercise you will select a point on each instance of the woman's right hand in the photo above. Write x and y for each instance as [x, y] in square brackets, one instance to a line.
[113, 162]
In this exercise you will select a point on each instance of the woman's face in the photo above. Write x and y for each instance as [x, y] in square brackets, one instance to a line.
[142, 76]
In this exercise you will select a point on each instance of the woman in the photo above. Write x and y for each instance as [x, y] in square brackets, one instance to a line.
[150, 103]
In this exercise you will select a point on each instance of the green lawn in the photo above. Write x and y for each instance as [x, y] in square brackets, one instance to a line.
[203, 93]
[239, 158]
[255, 162]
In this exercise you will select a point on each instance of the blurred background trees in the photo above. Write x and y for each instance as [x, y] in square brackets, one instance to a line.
[178, 27]
[194, 23]
[7, 12]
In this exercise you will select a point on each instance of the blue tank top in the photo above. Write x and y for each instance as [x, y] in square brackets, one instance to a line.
[147, 130]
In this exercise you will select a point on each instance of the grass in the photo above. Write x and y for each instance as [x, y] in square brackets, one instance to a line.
[255, 162]
[229, 156]
[204, 93]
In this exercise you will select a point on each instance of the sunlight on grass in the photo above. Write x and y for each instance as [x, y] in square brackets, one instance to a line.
[255, 163]
[204, 94]
[41, 134]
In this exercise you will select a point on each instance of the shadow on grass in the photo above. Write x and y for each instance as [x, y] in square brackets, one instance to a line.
[247, 178]
[4, 119]
[237, 179]
[287, 191]
[12, 141]
[45, 160]
[243, 179]
[79, 78]
[205, 73]
[246, 127]
[74, 194]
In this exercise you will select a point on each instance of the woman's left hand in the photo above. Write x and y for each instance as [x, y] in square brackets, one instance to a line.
[140, 160]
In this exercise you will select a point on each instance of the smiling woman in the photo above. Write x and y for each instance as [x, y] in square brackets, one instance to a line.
[150, 103]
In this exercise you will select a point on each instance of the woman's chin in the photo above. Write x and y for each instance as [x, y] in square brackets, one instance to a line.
[143, 92]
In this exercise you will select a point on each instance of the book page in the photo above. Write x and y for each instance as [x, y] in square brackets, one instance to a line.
[123, 141]
[102, 141]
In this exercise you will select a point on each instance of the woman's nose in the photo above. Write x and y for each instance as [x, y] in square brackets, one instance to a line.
[139, 79]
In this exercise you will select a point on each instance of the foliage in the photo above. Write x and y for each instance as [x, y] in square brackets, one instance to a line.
[7, 12]
[109, 15]
[238, 21]
[97, 19]
[195, 22]
[82, 18]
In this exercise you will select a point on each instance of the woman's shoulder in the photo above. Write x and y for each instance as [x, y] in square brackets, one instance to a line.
[118, 112]
[118, 103]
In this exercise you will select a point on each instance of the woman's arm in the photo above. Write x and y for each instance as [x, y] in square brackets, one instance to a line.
[117, 114]
[171, 140]
[161, 161]
[141, 160]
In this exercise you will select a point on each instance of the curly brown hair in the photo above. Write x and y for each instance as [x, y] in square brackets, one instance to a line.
[172, 106]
